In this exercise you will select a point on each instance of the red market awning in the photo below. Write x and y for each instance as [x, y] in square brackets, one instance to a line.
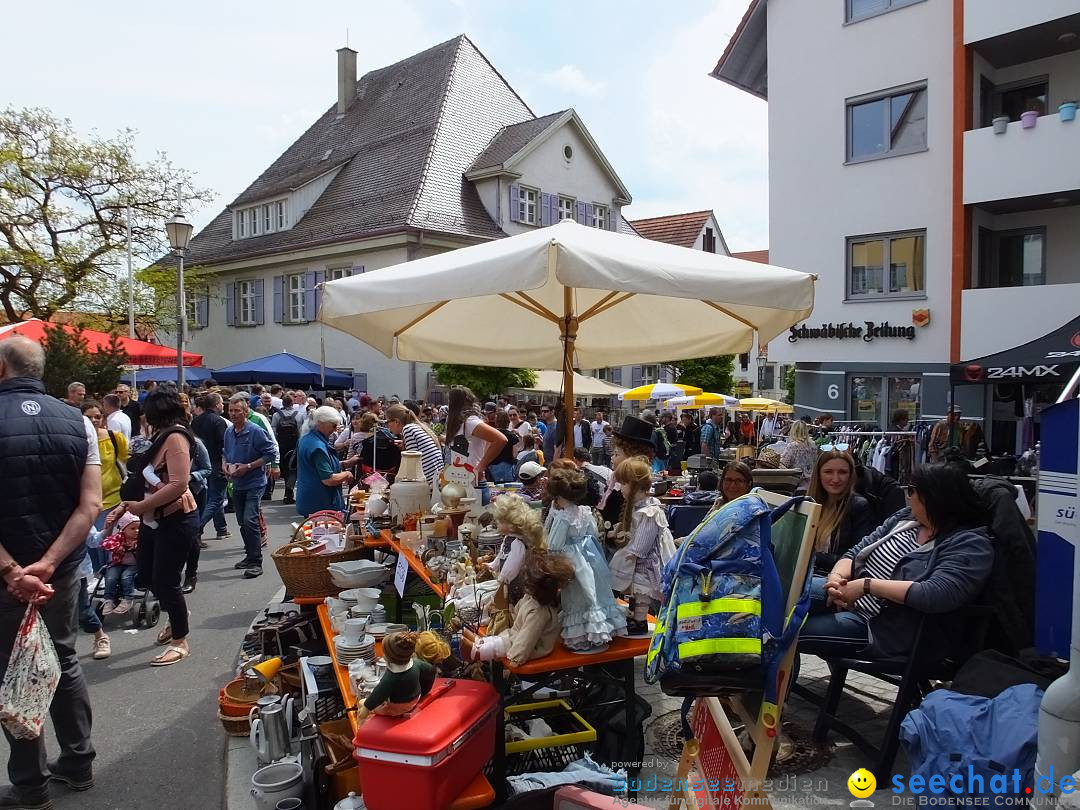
[139, 352]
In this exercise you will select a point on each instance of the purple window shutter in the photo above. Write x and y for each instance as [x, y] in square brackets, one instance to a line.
[581, 214]
[545, 210]
[514, 203]
[260, 317]
[279, 299]
[616, 375]
[310, 299]
[230, 304]
[202, 311]
[317, 278]
[613, 218]
[589, 214]
[635, 376]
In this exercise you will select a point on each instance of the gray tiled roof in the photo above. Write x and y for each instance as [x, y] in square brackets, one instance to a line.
[509, 140]
[403, 146]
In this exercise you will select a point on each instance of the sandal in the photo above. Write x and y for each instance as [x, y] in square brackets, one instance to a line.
[165, 636]
[164, 660]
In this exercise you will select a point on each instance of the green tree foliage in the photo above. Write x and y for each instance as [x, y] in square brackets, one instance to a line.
[68, 359]
[713, 374]
[485, 381]
[63, 216]
[789, 384]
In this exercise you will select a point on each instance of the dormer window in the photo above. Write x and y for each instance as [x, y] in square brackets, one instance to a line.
[264, 218]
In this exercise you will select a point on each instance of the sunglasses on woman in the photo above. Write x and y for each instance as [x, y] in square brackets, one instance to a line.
[840, 447]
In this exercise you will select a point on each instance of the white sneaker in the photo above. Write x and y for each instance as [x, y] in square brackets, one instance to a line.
[123, 607]
[108, 608]
[102, 648]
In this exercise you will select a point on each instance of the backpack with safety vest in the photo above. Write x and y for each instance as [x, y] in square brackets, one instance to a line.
[721, 627]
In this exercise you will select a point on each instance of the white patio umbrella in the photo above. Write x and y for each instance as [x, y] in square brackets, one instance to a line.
[567, 296]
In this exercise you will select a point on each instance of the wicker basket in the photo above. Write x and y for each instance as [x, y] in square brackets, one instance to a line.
[235, 726]
[308, 575]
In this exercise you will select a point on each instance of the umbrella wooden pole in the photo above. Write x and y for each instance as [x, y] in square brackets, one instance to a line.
[569, 328]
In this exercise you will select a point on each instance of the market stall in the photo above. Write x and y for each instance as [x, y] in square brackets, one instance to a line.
[284, 368]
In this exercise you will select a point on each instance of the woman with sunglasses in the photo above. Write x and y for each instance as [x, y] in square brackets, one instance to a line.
[932, 557]
[846, 517]
[800, 453]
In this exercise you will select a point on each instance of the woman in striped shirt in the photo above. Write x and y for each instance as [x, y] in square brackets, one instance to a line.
[933, 557]
[415, 435]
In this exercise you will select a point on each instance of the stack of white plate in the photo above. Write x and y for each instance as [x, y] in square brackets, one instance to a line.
[347, 651]
[378, 630]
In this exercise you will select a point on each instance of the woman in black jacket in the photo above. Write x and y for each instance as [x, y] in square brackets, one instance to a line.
[846, 517]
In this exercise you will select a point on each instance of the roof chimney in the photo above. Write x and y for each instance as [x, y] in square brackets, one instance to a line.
[346, 79]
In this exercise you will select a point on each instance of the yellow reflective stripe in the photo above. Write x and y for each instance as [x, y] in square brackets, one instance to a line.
[690, 609]
[712, 646]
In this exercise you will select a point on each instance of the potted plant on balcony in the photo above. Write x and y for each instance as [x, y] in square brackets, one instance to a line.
[1067, 111]
[1000, 124]
[1029, 117]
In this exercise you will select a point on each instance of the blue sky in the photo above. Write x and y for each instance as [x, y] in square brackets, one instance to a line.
[224, 87]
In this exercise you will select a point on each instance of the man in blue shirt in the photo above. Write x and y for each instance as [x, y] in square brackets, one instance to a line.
[246, 452]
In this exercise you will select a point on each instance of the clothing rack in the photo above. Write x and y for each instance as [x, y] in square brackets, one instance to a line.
[897, 460]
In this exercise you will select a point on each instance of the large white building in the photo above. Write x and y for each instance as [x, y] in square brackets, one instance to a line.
[429, 154]
[935, 239]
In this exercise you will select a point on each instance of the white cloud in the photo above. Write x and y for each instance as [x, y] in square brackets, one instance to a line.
[571, 79]
[706, 143]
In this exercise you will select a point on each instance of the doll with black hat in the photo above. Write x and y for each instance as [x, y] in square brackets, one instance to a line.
[633, 438]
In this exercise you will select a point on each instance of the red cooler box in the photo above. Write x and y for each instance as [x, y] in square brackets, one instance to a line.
[424, 760]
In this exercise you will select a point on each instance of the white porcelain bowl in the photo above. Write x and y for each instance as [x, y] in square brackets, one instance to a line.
[364, 598]
[363, 580]
[351, 567]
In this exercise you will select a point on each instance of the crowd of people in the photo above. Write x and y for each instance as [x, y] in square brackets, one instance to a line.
[117, 491]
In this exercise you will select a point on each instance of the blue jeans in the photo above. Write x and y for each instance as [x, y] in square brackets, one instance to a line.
[215, 501]
[89, 621]
[502, 473]
[246, 505]
[120, 581]
[829, 632]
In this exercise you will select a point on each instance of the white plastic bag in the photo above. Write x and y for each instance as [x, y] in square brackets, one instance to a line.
[32, 675]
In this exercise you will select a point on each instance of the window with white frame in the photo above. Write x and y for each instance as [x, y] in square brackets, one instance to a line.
[264, 218]
[527, 208]
[245, 303]
[599, 216]
[650, 374]
[334, 273]
[566, 208]
[294, 298]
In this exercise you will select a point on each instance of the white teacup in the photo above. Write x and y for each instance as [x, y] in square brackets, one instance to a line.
[353, 630]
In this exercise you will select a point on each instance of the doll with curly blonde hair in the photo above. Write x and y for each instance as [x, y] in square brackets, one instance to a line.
[522, 532]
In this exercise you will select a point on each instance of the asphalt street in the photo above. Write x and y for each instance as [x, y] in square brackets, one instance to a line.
[158, 739]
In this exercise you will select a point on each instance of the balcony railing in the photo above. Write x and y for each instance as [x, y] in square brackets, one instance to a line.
[1021, 162]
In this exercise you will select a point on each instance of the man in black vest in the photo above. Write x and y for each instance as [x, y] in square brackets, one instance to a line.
[46, 510]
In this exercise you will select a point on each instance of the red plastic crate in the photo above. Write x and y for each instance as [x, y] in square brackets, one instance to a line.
[425, 759]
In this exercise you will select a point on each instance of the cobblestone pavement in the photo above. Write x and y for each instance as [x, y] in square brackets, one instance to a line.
[866, 701]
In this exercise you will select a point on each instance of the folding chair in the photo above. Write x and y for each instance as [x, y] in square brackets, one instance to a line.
[712, 754]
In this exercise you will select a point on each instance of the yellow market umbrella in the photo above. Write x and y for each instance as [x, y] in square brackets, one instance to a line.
[705, 400]
[763, 404]
[658, 391]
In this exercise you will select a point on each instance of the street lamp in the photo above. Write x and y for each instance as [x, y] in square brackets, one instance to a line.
[179, 231]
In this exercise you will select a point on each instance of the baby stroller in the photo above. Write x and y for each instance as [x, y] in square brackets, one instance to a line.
[145, 608]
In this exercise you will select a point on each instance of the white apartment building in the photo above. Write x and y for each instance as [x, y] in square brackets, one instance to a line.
[429, 154]
[935, 238]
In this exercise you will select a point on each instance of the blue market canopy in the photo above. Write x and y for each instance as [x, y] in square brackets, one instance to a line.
[1052, 358]
[284, 368]
[159, 374]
